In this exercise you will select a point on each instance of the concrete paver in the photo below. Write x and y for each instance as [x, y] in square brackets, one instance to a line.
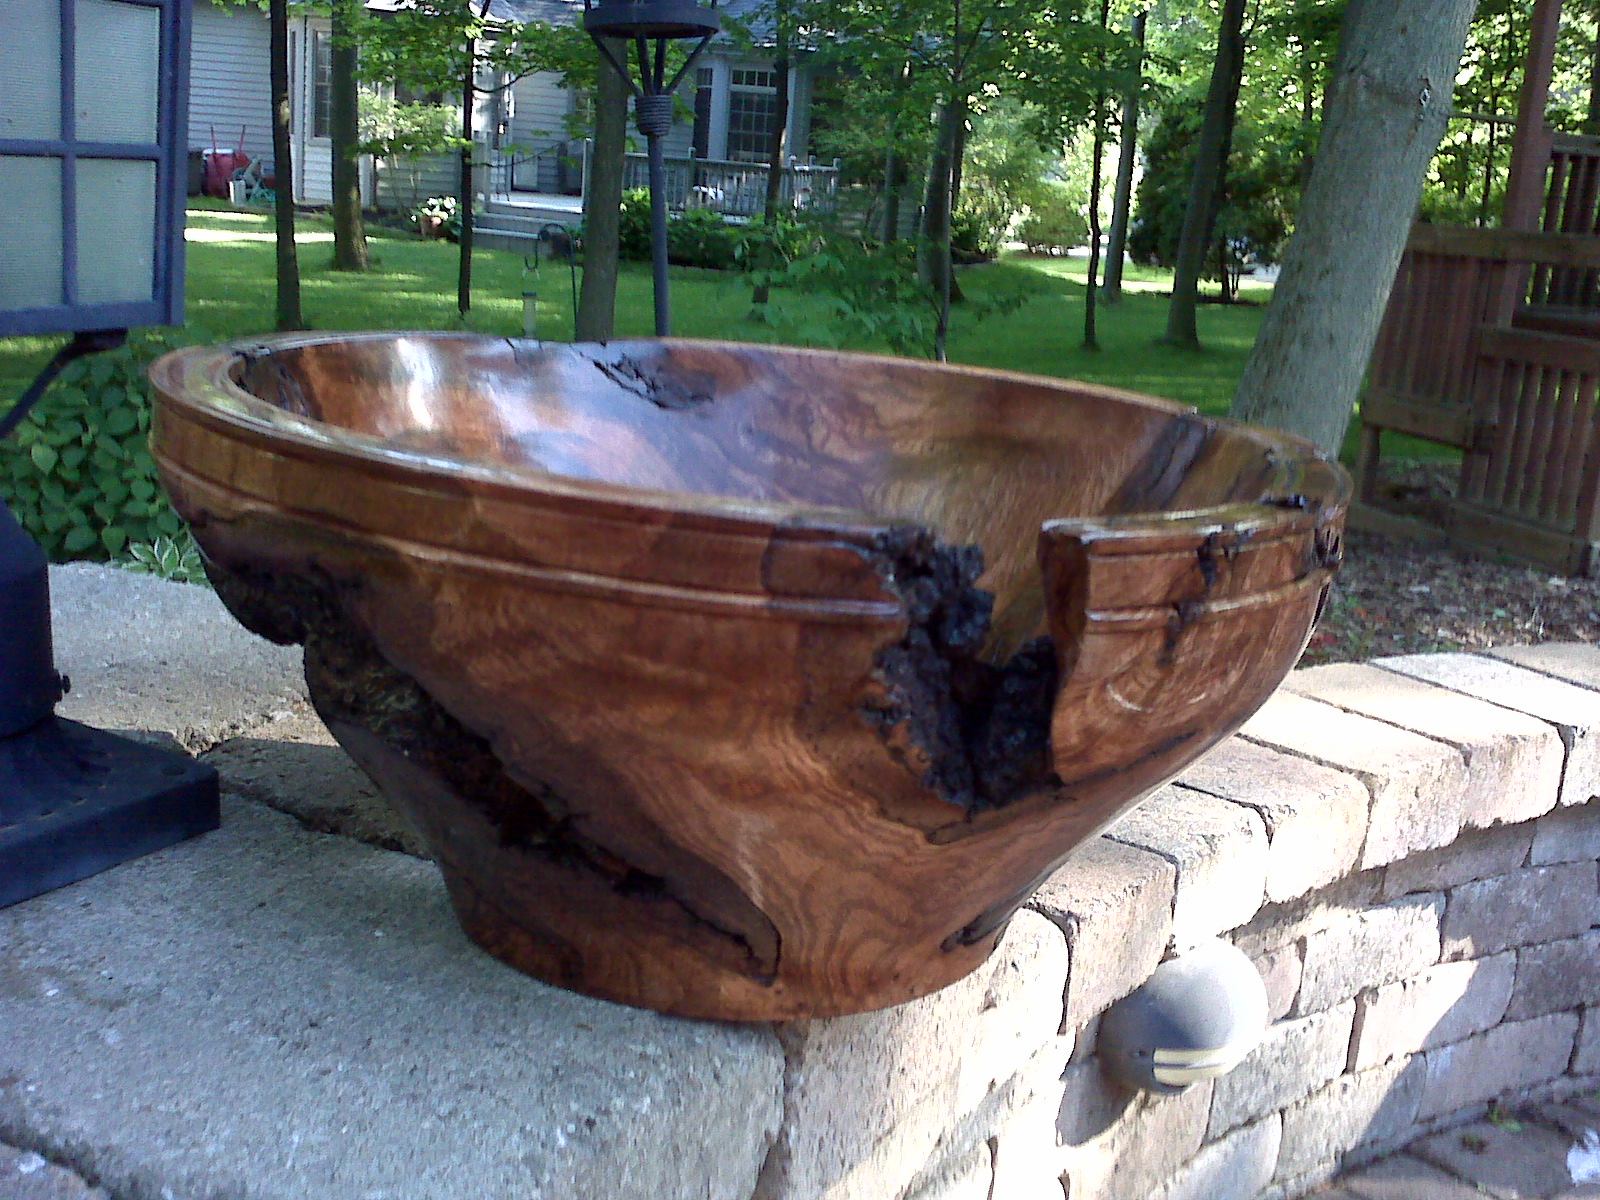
[25, 1175]
[285, 1015]
[114, 638]
[1405, 1177]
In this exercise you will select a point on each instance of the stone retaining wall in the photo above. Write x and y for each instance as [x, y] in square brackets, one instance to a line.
[1408, 849]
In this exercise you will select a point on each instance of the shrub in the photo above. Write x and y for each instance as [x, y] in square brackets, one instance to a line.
[697, 238]
[1054, 224]
[633, 235]
[77, 473]
[978, 228]
[701, 238]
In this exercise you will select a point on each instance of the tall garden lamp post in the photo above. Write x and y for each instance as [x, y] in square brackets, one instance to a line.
[650, 25]
[93, 97]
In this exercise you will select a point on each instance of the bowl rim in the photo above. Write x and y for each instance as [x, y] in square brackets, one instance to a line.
[197, 381]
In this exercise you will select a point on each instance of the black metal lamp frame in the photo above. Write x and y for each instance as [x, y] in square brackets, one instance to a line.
[650, 25]
[73, 800]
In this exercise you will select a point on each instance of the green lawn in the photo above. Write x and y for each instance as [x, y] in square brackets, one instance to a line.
[413, 286]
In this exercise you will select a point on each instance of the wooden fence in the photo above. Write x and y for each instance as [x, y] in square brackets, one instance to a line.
[1475, 353]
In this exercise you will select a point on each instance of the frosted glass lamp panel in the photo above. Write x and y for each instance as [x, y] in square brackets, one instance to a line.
[118, 71]
[30, 69]
[30, 233]
[116, 230]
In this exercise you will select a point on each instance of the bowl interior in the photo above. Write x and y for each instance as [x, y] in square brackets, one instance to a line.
[966, 452]
[981, 458]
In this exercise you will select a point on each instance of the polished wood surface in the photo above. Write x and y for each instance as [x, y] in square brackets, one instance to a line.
[736, 681]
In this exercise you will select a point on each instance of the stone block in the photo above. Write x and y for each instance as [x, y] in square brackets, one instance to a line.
[1501, 1162]
[1575, 662]
[1567, 835]
[1535, 904]
[1295, 920]
[25, 1175]
[1573, 711]
[1513, 760]
[1117, 1146]
[1404, 1177]
[1369, 1107]
[1236, 1167]
[1295, 1059]
[292, 763]
[147, 654]
[1280, 971]
[972, 1178]
[1114, 904]
[270, 1011]
[1369, 949]
[1415, 782]
[1586, 1057]
[1556, 976]
[1443, 1004]
[1316, 817]
[1502, 1061]
[870, 1097]
[1219, 850]
[1476, 854]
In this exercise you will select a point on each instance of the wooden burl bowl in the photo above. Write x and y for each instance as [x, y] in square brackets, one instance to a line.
[739, 681]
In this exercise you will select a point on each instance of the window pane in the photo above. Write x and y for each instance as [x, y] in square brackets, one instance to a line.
[118, 67]
[750, 121]
[30, 232]
[30, 69]
[321, 84]
[116, 230]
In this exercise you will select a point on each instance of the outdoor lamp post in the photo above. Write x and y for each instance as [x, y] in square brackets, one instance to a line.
[650, 25]
[93, 98]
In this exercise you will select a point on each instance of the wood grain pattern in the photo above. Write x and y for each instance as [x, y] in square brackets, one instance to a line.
[735, 681]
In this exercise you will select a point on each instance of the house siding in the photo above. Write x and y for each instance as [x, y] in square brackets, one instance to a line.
[229, 84]
[539, 123]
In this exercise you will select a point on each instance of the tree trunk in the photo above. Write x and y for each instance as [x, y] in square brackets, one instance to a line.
[1210, 172]
[1382, 123]
[936, 266]
[1122, 204]
[464, 204]
[958, 161]
[891, 193]
[1308, 112]
[289, 315]
[778, 146]
[1091, 287]
[1591, 123]
[344, 120]
[1091, 290]
[602, 208]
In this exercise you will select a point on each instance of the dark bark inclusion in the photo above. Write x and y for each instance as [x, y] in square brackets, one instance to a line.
[349, 680]
[977, 734]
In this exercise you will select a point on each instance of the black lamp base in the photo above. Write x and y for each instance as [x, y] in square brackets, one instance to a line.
[76, 801]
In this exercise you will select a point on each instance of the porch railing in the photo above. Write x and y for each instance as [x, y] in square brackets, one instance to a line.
[734, 189]
[737, 189]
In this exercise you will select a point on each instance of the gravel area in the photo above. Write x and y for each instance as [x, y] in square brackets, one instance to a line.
[1398, 596]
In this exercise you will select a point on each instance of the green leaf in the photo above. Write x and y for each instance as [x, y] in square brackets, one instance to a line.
[121, 421]
[44, 458]
[113, 539]
[78, 539]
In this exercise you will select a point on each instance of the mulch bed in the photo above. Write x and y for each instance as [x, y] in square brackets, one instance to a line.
[1397, 596]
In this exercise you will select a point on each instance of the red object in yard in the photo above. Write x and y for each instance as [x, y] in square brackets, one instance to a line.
[221, 165]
